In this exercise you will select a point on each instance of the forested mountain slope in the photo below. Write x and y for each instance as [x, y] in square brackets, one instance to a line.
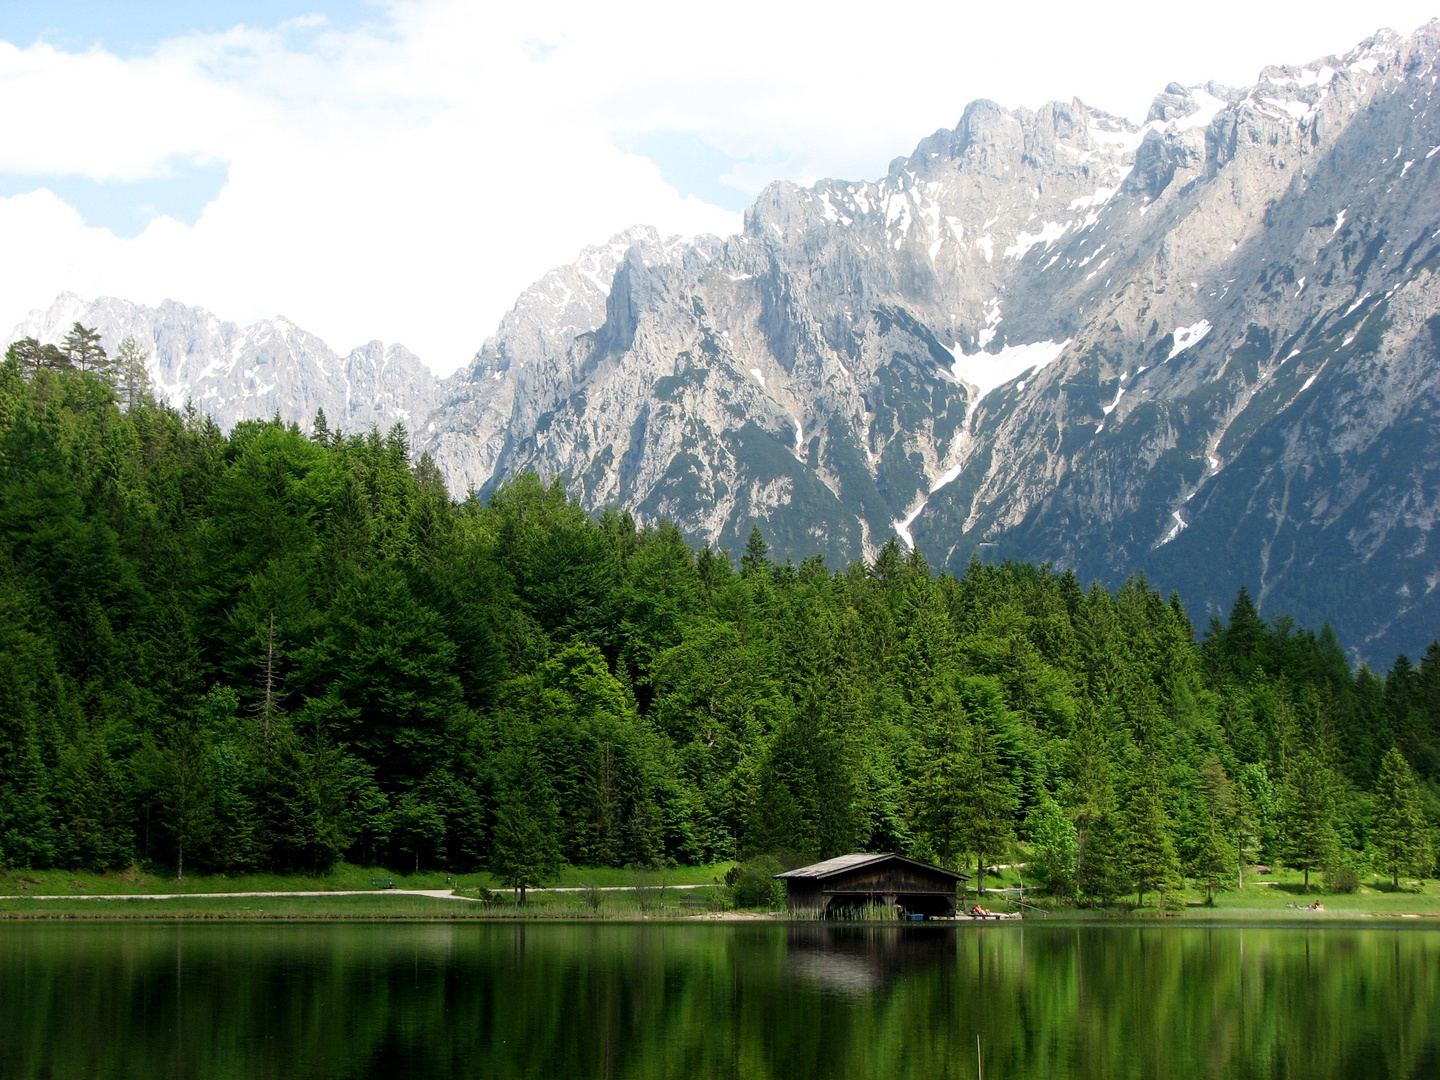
[273, 649]
[1204, 347]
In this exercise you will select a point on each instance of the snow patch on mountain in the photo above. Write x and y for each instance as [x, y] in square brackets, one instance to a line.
[1187, 336]
[985, 371]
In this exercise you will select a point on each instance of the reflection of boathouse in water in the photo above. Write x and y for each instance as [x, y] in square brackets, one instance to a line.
[860, 958]
[860, 880]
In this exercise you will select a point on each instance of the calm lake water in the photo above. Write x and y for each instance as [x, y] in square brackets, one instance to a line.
[573, 1001]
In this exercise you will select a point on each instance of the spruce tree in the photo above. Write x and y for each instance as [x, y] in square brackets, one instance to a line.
[987, 822]
[1213, 859]
[1148, 840]
[756, 559]
[1214, 862]
[1399, 835]
[941, 786]
[1244, 831]
[525, 847]
[177, 774]
[1308, 814]
[1100, 869]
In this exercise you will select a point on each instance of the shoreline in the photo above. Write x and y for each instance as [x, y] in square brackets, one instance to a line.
[442, 907]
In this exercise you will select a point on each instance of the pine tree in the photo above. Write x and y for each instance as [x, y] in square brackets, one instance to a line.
[1399, 836]
[32, 356]
[1308, 814]
[82, 347]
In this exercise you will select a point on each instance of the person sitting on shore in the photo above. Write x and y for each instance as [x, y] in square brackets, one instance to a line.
[979, 912]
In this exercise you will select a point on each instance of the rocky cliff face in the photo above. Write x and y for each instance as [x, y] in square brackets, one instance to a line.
[255, 372]
[1206, 347]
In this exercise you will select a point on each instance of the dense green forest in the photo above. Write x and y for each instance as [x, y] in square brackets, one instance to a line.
[272, 649]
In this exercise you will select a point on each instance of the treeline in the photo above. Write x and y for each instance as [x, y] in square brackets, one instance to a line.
[279, 650]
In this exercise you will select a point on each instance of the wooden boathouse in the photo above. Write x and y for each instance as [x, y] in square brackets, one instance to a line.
[858, 880]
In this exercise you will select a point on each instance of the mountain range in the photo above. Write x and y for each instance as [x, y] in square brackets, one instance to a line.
[1205, 347]
[234, 373]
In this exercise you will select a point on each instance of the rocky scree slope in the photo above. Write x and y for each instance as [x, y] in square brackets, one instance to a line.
[236, 373]
[1206, 347]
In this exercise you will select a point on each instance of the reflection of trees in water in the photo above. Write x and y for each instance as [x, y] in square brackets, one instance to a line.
[607, 1000]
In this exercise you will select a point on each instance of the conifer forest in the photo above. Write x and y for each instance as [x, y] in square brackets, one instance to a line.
[271, 649]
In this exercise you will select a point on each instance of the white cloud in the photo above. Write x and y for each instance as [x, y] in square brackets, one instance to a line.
[406, 181]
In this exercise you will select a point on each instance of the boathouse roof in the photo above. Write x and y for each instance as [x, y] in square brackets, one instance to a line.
[841, 864]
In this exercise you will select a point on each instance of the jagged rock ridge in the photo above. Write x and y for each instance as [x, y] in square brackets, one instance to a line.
[238, 373]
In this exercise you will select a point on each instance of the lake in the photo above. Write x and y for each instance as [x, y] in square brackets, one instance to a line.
[577, 1000]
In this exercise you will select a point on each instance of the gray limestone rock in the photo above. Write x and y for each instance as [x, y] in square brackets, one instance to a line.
[236, 373]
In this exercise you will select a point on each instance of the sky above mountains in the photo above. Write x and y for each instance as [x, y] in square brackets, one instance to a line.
[402, 170]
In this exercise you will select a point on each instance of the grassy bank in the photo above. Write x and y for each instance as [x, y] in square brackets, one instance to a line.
[342, 878]
[1275, 895]
[1278, 895]
[627, 904]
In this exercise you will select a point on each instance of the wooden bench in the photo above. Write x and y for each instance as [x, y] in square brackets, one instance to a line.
[381, 883]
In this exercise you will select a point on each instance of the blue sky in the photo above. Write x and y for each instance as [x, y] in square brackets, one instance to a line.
[126, 207]
[692, 165]
[130, 27]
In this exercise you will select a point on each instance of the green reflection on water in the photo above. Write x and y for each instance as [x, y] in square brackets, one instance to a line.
[665, 1000]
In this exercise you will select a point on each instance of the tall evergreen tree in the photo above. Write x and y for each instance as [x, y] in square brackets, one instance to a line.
[756, 559]
[987, 822]
[1148, 839]
[525, 851]
[1056, 845]
[132, 381]
[1308, 814]
[31, 356]
[943, 785]
[1399, 834]
[1213, 861]
[83, 349]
